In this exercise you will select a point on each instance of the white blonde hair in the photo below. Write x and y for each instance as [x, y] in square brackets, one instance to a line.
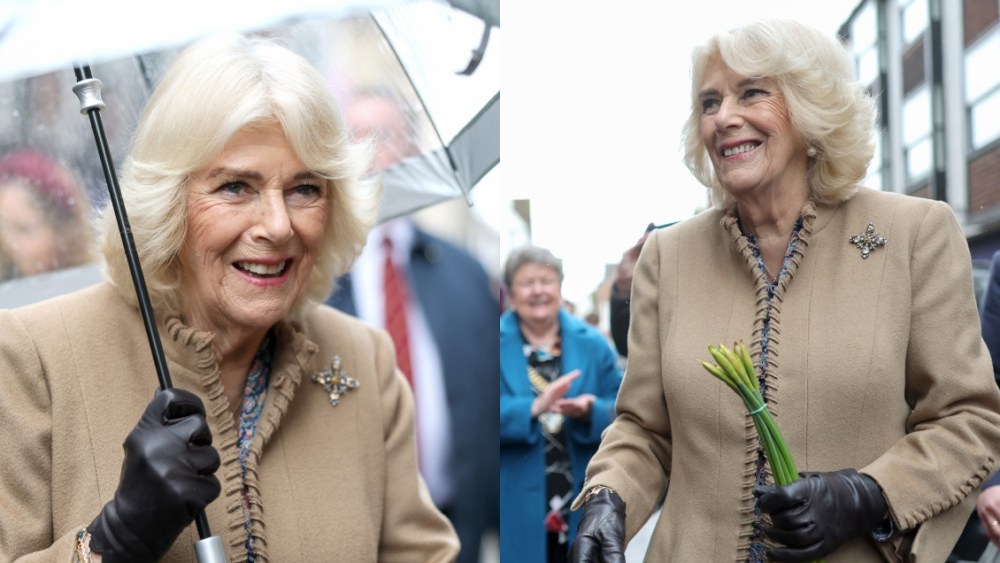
[214, 89]
[827, 105]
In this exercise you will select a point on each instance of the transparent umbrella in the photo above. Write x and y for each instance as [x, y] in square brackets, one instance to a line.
[434, 64]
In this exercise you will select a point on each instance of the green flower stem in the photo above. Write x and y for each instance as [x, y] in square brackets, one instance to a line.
[735, 369]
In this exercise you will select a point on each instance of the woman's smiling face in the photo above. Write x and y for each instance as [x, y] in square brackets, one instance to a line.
[748, 133]
[535, 293]
[255, 218]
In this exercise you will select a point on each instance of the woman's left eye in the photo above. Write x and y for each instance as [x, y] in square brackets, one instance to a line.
[755, 92]
[306, 193]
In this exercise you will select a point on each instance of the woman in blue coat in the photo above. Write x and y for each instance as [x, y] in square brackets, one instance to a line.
[558, 382]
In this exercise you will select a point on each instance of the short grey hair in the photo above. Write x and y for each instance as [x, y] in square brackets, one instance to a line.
[530, 254]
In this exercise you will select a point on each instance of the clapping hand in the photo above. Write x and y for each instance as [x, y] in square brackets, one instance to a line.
[555, 391]
[576, 407]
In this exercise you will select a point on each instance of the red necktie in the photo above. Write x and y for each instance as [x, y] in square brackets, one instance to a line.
[394, 289]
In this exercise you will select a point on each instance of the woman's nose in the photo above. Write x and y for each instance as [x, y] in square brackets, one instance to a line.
[728, 115]
[273, 222]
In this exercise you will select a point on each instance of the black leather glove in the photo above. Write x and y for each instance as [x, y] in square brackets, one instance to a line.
[820, 512]
[600, 538]
[167, 479]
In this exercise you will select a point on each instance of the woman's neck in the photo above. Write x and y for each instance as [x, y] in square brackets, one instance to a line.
[540, 333]
[772, 218]
[234, 348]
[771, 222]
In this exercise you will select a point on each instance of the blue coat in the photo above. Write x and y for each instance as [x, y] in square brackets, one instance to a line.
[522, 454]
[455, 294]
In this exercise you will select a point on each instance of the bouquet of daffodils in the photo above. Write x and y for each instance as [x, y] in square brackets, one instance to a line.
[735, 369]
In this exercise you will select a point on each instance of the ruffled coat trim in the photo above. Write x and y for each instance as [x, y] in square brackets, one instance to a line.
[292, 360]
[730, 222]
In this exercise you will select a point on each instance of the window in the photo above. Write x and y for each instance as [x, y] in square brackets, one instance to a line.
[864, 49]
[984, 120]
[915, 19]
[864, 44]
[873, 178]
[917, 134]
[982, 88]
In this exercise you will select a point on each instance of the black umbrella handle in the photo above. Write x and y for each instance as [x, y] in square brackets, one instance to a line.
[88, 90]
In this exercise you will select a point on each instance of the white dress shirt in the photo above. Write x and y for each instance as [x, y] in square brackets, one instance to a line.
[432, 415]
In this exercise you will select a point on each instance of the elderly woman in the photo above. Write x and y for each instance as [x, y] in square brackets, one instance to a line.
[289, 424]
[559, 378]
[44, 216]
[859, 311]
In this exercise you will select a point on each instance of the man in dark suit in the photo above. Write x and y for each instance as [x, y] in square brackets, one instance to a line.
[454, 349]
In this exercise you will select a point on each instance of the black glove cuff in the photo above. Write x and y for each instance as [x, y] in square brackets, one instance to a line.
[602, 495]
[113, 541]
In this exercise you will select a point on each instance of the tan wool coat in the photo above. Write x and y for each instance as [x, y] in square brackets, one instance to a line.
[326, 483]
[875, 364]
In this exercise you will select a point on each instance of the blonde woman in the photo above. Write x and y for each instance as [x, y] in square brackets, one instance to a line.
[859, 311]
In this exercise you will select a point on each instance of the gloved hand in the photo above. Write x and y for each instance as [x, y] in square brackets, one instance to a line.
[821, 511]
[166, 480]
[601, 535]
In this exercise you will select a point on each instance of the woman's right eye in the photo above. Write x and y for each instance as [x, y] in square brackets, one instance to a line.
[708, 105]
[234, 188]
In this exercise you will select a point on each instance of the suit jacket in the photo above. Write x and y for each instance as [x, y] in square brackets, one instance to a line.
[875, 363]
[335, 483]
[990, 314]
[522, 445]
[990, 317]
[455, 293]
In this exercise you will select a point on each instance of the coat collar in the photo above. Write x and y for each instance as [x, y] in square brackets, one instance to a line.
[574, 355]
[192, 350]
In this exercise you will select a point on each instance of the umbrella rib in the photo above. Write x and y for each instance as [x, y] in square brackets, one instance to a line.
[420, 99]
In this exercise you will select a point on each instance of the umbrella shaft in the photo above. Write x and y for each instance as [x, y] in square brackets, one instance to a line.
[132, 256]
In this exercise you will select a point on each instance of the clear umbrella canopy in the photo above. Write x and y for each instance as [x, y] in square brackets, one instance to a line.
[395, 68]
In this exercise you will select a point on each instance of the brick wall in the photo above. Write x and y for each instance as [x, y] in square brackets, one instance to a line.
[913, 66]
[977, 16]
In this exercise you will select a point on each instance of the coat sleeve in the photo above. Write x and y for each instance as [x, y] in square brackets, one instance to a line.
[412, 527]
[608, 380]
[517, 426]
[635, 452]
[953, 431]
[26, 517]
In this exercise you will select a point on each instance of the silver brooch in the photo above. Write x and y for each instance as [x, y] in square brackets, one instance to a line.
[868, 240]
[335, 381]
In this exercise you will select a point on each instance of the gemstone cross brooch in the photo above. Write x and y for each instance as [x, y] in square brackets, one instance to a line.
[868, 240]
[335, 381]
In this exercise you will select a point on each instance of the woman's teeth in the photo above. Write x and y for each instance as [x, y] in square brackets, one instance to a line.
[262, 269]
[739, 149]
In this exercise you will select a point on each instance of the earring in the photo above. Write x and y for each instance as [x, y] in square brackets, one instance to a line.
[811, 151]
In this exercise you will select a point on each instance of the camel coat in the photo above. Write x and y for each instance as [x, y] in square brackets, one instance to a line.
[875, 364]
[327, 483]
